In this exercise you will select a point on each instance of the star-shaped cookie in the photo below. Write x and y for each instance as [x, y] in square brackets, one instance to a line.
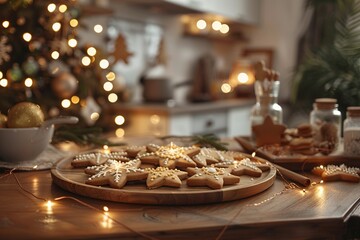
[170, 156]
[206, 156]
[163, 176]
[335, 173]
[268, 132]
[242, 167]
[97, 158]
[211, 176]
[115, 173]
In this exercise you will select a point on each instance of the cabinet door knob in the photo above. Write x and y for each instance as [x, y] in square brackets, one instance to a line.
[209, 123]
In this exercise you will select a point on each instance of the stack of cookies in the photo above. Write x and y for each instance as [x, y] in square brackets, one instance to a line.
[168, 166]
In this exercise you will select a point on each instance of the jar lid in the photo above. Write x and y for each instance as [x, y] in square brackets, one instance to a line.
[325, 103]
[353, 111]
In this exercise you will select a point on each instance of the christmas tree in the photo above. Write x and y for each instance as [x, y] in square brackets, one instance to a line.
[41, 61]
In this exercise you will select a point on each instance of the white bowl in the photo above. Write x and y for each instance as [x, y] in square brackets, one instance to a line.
[25, 144]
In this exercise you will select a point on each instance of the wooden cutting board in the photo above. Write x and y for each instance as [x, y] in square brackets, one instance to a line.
[72, 179]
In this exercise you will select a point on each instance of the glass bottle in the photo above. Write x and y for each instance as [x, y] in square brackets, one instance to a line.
[325, 119]
[267, 93]
[352, 132]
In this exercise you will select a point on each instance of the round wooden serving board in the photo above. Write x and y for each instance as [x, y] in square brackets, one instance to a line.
[72, 179]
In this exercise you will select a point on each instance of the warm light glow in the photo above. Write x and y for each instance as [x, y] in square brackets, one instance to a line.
[120, 132]
[155, 119]
[110, 76]
[94, 116]
[216, 25]
[62, 8]
[242, 78]
[72, 42]
[28, 82]
[74, 22]
[27, 37]
[321, 181]
[5, 24]
[56, 26]
[224, 28]
[4, 82]
[1, 74]
[75, 99]
[113, 97]
[105, 208]
[91, 51]
[201, 24]
[98, 28]
[49, 207]
[86, 61]
[55, 55]
[253, 154]
[321, 166]
[65, 103]
[119, 120]
[108, 86]
[225, 88]
[51, 7]
[104, 64]
[106, 151]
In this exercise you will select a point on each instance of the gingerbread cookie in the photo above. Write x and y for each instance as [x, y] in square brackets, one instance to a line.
[97, 158]
[163, 176]
[206, 156]
[244, 167]
[305, 131]
[335, 173]
[115, 173]
[268, 132]
[170, 156]
[211, 176]
[133, 151]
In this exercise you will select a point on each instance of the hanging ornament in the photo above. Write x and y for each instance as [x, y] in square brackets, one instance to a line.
[5, 50]
[64, 85]
[25, 115]
[121, 50]
[91, 111]
[30, 66]
[14, 74]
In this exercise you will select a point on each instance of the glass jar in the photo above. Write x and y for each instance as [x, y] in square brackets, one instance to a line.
[325, 119]
[352, 132]
[266, 102]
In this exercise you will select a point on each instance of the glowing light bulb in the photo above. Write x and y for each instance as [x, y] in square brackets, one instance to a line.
[27, 37]
[155, 119]
[1, 75]
[4, 82]
[56, 26]
[108, 86]
[55, 55]
[62, 8]
[216, 25]
[224, 28]
[5, 24]
[28, 82]
[110, 76]
[104, 64]
[98, 28]
[243, 78]
[75, 99]
[91, 51]
[86, 61]
[225, 88]
[74, 23]
[113, 97]
[120, 132]
[201, 24]
[65, 103]
[94, 116]
[72, 42]
[119, 120]
[105, 208]
[51, 7]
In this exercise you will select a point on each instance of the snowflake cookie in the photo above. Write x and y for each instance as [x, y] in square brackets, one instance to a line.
[211, 176]
[170, 156]
[335, 173]
[163, 176]
[115, 173]
[97, 158]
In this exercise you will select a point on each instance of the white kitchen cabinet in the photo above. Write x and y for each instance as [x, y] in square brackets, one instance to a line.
[223, 118]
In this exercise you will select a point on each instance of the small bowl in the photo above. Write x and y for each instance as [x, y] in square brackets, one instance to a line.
[25, 144]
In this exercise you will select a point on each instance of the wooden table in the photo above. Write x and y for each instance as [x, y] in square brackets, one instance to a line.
[324, 211]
